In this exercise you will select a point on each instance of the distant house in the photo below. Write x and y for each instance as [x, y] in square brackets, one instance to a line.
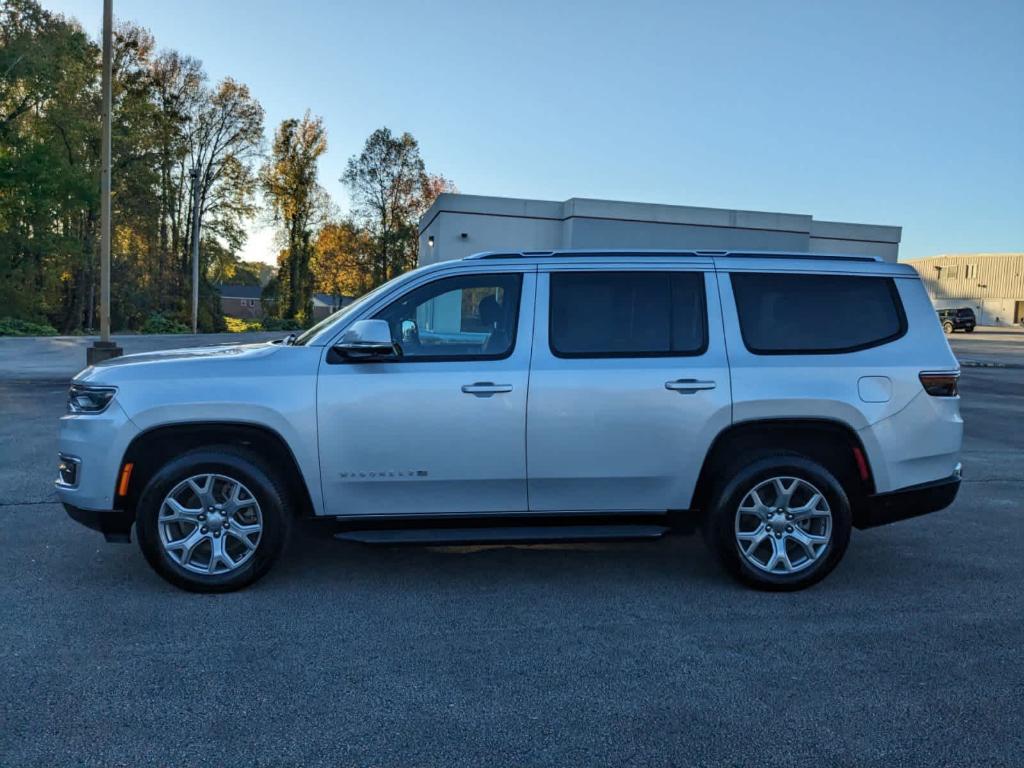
[325, 304]
[244, 301]
[241, 300]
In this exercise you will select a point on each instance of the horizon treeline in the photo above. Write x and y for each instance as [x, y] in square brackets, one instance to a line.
[173, 129]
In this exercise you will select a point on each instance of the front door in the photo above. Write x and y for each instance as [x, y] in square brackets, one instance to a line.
[629, 386]
[441, 429]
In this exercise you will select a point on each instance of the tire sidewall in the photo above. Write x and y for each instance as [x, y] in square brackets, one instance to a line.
[260, 483]
[721, 519]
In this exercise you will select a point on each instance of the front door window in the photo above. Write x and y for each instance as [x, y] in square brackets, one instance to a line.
[457, 318]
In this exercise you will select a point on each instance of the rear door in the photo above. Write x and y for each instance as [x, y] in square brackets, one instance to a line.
[629, 384]
[846, 342]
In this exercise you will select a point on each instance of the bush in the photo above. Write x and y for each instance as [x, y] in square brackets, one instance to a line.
[281, 324]
[12, 326]
[241, 325]
[160, 323]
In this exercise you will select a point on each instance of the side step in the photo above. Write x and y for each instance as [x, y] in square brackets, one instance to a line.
[504, 535]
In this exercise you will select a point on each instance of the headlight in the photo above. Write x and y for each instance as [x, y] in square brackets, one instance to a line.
[84, 399]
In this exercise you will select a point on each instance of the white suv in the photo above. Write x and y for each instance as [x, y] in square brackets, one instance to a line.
[774, 400]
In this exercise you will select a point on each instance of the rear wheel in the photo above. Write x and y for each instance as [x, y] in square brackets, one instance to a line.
[778, 522]
[213, 520]
[969, 329]
[947, 328]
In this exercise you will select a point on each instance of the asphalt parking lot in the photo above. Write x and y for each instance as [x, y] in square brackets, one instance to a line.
[593, 655]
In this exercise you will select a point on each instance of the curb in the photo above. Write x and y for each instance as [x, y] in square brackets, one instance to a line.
[985, 364]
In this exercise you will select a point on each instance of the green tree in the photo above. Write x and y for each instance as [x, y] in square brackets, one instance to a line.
[298, 204]
[49, 142]
[390, 190]
[166, 123]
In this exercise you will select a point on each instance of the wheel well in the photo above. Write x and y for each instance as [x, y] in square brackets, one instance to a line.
[154, 448]
[834, 445]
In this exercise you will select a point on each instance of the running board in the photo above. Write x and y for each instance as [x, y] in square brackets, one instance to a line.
[504, 535]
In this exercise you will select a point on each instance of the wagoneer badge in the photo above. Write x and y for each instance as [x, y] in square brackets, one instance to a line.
[398, 474]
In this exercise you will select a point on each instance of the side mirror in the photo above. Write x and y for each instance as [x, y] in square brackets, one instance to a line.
[367, 339]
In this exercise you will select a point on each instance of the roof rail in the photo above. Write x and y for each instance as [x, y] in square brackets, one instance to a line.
[508, 255]
[670, 254]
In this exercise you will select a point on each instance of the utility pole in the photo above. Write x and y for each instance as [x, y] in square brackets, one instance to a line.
[104, 349]
[196, 189]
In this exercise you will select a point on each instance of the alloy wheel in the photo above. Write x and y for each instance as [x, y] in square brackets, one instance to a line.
[783, 525]
[210, 524]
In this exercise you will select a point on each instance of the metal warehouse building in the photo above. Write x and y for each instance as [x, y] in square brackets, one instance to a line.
[458, 225]
[992, 284]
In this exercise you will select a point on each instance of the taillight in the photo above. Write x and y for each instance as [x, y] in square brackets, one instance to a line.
[940, 384]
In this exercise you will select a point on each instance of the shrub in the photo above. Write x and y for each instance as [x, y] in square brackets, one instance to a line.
[241, 325]
[160, 323]
[281, 324]
[12, 326]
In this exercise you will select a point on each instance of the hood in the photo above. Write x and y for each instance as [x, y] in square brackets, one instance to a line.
[171, 362]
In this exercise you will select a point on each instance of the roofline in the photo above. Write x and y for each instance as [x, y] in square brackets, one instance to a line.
[970, 255]
[655, 213]
[668, 253]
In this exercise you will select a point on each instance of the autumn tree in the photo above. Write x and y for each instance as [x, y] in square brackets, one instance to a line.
[342, 263]
[172, 130]
[390, 189]
[299, 205]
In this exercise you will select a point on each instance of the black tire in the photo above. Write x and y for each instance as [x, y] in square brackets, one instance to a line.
[969, 329]
[259, 479]
[746, 474]
[947, 328]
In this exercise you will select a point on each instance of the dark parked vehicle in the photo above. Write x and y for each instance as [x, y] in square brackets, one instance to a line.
[961, 319]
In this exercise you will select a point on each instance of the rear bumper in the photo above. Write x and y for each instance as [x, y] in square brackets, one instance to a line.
[114, 524]
[885, 508]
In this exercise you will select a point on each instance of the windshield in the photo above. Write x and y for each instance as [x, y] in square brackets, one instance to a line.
[311, 333]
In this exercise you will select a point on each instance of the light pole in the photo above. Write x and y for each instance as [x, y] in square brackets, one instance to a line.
[195, 249]
[104, 349]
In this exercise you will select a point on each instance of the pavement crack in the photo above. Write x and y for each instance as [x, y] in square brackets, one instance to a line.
[27, 503]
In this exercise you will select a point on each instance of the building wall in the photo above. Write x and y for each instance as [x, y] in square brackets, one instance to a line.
[233, 307]
[457, 235]
[992, 284]
[320, 311]
[459, 225]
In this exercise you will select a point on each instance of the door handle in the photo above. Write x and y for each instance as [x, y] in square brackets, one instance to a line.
[689, 386]
[485, 388]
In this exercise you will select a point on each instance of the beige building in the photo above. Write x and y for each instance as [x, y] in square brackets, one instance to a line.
[992, 284]
[457, 225]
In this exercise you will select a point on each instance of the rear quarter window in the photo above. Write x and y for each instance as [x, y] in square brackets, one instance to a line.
[784, 314]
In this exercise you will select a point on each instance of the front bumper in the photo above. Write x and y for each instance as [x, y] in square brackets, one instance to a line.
[95, 444]
[885, 508]
[114, 524]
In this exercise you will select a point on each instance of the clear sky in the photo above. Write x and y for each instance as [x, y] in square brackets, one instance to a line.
[879, 112]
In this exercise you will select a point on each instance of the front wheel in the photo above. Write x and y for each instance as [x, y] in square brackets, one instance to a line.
[947, 328]
[778, 522]
[213, 520]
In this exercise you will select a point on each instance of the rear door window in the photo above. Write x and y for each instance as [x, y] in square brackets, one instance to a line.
[627, 314]
[816, 314]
